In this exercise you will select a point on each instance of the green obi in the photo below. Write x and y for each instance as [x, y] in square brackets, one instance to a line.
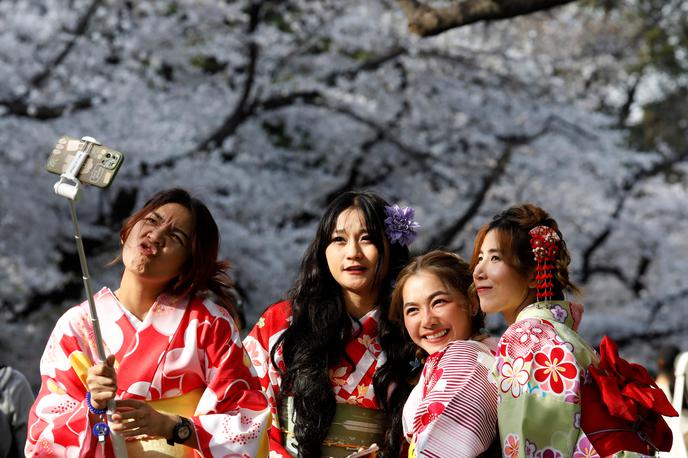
[353, 427]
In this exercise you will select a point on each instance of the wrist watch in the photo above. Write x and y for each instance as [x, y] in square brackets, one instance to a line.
[181, 431]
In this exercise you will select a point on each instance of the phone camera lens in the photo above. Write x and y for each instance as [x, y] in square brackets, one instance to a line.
[108, 155]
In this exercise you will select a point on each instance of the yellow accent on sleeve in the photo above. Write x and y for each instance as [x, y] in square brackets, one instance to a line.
[54, 387]
[80, 363]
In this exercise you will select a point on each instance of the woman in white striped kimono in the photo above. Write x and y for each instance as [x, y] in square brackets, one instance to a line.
[452, 411]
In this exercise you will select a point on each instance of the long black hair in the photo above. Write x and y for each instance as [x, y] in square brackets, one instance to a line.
[320, 328]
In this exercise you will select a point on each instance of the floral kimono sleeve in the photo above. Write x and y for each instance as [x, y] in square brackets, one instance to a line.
[258, 344]
[542, 363]
[59, 423]
[232, 416]
[538, 379]
[458, 411]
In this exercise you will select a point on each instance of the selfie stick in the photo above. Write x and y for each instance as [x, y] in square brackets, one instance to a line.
[69, 187]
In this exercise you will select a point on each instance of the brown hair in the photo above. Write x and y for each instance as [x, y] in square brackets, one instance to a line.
[511, 229]
[451, 270]
[202, 272]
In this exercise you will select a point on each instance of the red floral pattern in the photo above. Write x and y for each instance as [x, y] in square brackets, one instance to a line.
[435, 409]
[555, 369]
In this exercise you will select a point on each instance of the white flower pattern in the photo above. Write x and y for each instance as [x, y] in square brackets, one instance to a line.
[514, 377]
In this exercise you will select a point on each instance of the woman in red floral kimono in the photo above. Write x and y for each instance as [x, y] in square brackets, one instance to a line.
[334, 367]
[182, 382]
[452, 411]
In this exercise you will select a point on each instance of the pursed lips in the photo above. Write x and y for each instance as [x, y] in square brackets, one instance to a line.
[148, 249]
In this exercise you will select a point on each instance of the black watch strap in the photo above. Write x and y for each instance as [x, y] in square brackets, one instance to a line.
[181, 432]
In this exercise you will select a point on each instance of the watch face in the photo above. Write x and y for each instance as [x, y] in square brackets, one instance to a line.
[184, 432]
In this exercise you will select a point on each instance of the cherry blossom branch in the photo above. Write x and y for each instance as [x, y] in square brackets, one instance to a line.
[426, 20]
[588, 267]
[19, 106]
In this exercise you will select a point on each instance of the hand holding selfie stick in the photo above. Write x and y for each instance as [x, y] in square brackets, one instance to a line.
[69, 187]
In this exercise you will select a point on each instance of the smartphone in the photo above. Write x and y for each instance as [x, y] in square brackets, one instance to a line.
[100, 167]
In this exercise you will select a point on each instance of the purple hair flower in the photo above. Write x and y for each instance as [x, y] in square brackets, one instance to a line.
[399, 224]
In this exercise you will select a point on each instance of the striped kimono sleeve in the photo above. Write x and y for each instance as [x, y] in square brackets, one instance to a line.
[457, 412]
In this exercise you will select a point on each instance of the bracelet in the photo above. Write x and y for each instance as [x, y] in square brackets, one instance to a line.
[90, 406]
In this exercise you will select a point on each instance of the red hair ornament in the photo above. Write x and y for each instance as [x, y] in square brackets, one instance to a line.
[622, 407]
[545, 244]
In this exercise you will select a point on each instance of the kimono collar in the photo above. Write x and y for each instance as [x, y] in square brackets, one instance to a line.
[558, 311]
[368, 322]
[162, 302]
[138, 350]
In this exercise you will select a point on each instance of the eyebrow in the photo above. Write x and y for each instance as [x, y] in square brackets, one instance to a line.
[430, 297]
[174, 229]
[343, 231]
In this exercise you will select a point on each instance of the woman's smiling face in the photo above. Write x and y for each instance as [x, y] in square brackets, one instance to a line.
[434, 315]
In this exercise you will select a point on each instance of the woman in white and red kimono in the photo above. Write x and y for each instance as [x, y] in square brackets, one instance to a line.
[335, 369]
[177, 369]
[452, 411]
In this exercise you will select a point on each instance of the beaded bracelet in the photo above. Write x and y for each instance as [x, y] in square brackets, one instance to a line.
[90, 406]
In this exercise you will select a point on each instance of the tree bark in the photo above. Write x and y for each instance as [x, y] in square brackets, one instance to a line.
[426, 20]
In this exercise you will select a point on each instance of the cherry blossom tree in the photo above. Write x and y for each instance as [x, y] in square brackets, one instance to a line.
[268, 109]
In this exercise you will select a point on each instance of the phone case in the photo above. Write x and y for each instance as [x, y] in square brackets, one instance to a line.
[100, 167]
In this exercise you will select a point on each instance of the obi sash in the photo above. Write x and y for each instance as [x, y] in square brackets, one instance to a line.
[353, 427]
[184, 405]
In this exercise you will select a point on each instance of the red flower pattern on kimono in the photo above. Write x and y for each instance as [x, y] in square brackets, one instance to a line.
[538, 400]
[435, 409]
[528, 332]
[546, 417]
[435, 376]
[548, 453]
[555, 369]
